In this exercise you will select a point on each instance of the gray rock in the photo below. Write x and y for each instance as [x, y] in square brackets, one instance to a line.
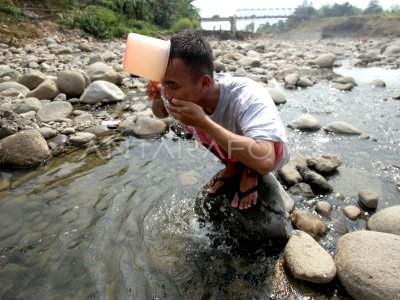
[305, 122]
[48, 89]
[343, 86]
[101, 71]
[325, 162]
[345, 80]
[32, 80]
[307, 260]
[378, 83]
[367, 264]
[304, 82]
[81, 138]
[386, 220]
[219, 66]
[323, 208]
[54, 110]
[276, 96]
[392, 50]
[289, 171]
[102, 91]
[302, 189]
[249, 62]
[24, 149]
[47, 132]
[143, 127]
[325, 60]
[317, 182]
[14, 85]
[308, 222]
[27, 104]
[291, 79]
[84, 120]
[7, 71]
[72, 83]
[342, 127]
[368, 198]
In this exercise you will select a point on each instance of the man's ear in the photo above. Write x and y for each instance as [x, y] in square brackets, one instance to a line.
[206, 81]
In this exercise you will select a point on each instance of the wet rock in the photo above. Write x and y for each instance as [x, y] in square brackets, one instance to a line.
[307, 260]
[14, 85]
[352, 212]
[48, 89]
[291, 79]
[308, 222]
[142, 127]
[367, 264]
[325, 163]
[264, 222]
[317, 182]
[304, 82]
[343, 86]
[302, 189]
[276, 96]
[47, 132]
[32, 80]
[81, 138]
[342, 127]
[368, 199]
[289, 171]
[323, 208]
[386, 220]
[72, 83]
[24, 149]
[54, 110]
[345, 80]
[102, 91]
[378, 83]
[305, 122]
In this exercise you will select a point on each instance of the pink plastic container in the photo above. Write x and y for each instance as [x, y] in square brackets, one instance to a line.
[146, 56]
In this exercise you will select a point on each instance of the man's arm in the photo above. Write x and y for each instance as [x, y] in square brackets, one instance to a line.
[256, 154]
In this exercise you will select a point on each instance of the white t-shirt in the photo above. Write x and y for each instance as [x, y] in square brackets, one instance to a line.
[245, 107]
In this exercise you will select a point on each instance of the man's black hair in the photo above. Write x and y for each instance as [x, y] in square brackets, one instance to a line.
[195, 52]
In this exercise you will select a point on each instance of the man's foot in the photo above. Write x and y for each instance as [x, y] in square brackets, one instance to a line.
[219, 179]
[248, 191]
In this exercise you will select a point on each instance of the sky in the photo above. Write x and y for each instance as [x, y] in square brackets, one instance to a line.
[227, 8]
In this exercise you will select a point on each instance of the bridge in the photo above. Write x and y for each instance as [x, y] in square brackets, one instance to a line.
[252, 14]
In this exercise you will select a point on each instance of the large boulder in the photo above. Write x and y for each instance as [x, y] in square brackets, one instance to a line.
[264, 222]
[367, 264]
[72, 83]
[14, 85]
[48, 90]
[24, 149]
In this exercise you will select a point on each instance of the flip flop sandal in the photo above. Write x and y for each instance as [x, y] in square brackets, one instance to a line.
[217, 178]
[255, 188]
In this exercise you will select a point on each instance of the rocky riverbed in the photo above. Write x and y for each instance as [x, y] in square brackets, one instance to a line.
[62, 93]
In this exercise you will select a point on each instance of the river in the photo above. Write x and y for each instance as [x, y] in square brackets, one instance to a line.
[120, 222]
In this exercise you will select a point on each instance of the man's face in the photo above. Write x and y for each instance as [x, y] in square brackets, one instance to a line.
[178, 82]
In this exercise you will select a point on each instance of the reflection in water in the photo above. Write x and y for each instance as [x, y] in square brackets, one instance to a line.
[119, 221]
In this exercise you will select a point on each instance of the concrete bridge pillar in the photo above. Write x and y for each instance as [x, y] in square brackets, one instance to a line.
[232, 20]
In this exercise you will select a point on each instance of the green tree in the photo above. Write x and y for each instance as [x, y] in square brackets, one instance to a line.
[338, 10]
[373, 8]
[250, 27]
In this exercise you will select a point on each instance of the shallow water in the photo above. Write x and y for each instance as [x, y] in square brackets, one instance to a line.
[119, 222]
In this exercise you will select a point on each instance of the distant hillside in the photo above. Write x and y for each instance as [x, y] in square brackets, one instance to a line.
[347, 27]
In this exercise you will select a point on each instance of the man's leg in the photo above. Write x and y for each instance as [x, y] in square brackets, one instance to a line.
[231, 169]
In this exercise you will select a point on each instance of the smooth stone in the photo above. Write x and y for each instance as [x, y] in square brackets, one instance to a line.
[367, 264]
[368, 198]
[305, 122]
[325, 162]
[342, 127]
[386, 220]
[307, 260]
[323, 208]
[352, 212]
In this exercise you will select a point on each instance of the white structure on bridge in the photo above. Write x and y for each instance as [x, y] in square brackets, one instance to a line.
[252, 14]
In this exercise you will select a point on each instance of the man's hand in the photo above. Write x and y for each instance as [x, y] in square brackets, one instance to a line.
[187, 112]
